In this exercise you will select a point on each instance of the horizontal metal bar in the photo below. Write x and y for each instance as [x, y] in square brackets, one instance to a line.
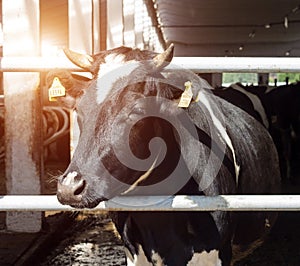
[196, 64]
[239, 64]
[160, 203]
[36, 64]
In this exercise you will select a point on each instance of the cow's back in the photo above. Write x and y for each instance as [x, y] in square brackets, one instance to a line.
[259, 174]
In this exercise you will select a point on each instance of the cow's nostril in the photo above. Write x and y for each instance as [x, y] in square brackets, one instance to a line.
[80, 188]
[71, 188]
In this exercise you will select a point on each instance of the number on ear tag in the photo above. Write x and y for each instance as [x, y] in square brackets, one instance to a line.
[186, 96]
[56, 90]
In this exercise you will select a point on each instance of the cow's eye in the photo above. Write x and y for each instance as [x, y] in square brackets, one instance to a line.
[136, 111]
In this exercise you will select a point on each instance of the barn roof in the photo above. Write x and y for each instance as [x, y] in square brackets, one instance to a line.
[231, 27]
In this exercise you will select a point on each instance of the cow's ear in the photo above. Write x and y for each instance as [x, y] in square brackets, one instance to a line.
[165, 58]
[84, 61]
[73, 84]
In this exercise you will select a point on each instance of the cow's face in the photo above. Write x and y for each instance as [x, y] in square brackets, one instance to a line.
[127, 142]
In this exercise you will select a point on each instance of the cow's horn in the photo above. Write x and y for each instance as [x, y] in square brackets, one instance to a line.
[163, 59]
[82, 60]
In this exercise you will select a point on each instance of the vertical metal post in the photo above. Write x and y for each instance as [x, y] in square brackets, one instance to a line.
[214, 79]
[103, 24]
[114, 23]
[96, 26]
[128, 12]
[80, 25]
[263, 78]
[23, 111]
[80, 39]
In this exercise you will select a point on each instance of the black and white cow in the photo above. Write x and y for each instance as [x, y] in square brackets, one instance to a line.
[250, 102]
[136, 140]
[279, 110]
[283, 105]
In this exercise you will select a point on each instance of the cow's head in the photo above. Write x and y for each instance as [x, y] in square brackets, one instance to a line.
[128, 119]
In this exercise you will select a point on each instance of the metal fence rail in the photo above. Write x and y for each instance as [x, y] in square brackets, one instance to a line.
[35, 64]
[160, 203]
[196, 64]
[239, 64]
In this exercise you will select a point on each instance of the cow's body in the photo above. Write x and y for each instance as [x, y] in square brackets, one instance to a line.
[239, 96]
[136, 140]
[280, 113]
[283, 103]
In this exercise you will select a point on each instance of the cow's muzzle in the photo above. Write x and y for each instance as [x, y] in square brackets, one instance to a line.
[70, 189]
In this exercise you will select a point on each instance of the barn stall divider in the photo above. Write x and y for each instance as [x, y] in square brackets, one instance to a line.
[163, 203]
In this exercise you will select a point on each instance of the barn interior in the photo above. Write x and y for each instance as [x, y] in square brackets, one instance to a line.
[214, 28]
[231, 28]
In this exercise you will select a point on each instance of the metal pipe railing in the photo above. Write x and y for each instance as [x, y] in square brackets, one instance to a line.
[239, 64]
[160, 203]
[36, 64]
[196, 64]
[163, 203]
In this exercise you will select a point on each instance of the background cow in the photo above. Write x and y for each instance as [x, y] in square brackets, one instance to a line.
[135, 140]
[278, 108]
[239, 96]
[283, 106]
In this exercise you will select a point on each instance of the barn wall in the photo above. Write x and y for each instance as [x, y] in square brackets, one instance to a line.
[23, 112]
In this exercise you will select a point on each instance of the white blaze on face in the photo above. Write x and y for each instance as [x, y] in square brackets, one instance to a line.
[205, 259]
[114, 68]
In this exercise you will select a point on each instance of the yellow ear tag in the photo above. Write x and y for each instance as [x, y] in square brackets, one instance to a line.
[186, 96]
[56, 90]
